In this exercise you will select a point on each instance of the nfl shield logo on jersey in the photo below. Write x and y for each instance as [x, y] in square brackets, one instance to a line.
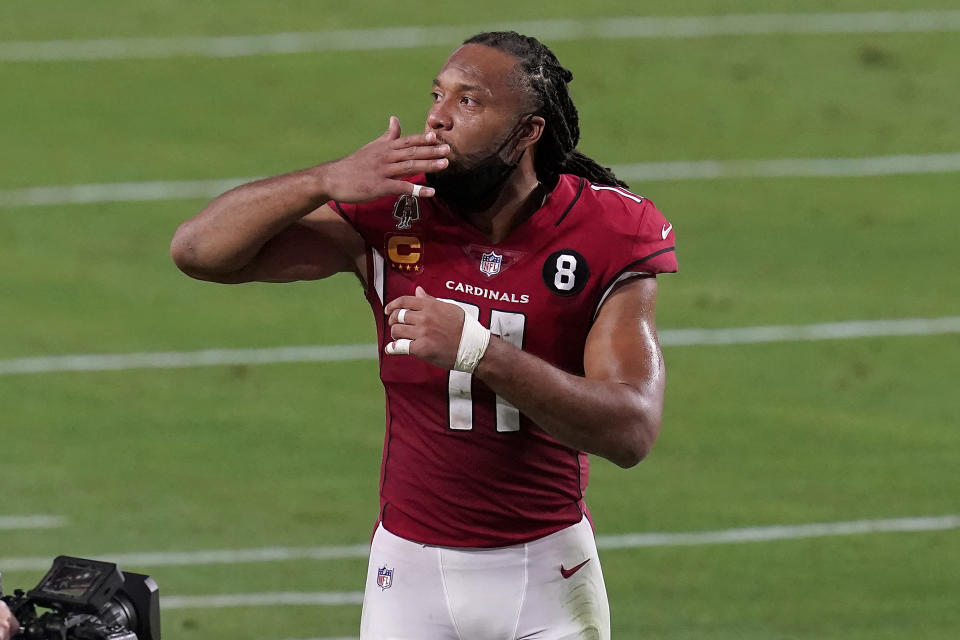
[384, 578]
[490, 264]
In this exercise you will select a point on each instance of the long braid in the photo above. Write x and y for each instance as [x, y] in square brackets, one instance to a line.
[546, 80]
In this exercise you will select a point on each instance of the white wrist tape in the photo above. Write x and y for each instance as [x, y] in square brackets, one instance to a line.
[474, 340]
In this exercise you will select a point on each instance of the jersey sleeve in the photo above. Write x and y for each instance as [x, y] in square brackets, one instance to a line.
[652, 251]
[359, 217]
[654, 248]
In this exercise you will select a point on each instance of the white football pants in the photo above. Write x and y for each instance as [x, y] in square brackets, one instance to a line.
[548, 589]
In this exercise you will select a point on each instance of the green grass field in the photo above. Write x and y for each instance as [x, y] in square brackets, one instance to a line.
[286, 455]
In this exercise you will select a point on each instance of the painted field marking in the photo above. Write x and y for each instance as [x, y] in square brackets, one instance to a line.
[779, 532]
[208, 557]
[792, 167]
[625, 27]
[177, 359]
[347, 352]
[811, 332]
[9, 523]
[97, 193]
[118, 192]
[284, 598]
[610, 542]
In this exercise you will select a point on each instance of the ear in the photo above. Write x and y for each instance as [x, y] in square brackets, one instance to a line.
[530, 133]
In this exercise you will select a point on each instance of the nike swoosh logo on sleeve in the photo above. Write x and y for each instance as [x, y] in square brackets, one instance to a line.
[666, 230]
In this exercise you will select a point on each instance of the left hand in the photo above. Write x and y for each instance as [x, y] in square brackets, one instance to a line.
[433, 325]
[8, 623]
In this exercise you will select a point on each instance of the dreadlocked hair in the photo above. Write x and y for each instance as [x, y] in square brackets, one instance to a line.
[546, 80]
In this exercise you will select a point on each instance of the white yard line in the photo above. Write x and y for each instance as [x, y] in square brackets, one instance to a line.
[175, 359]
[625, 27]
[823, 331]
[117, 192]
[96, 193]
[8, 523]
[154, 559]
[792, 167]
[283, 598]
[338, 353]
[779, 532]
[213, 556]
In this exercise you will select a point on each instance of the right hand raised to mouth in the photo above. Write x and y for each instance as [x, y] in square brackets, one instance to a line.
[377, 168]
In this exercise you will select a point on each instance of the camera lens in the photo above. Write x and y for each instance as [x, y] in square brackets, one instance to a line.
[119, 612]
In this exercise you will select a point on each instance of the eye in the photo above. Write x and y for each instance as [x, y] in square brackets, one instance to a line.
[434, 95]
[467, 100]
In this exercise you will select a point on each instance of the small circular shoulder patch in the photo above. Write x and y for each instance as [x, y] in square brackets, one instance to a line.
[565, 272]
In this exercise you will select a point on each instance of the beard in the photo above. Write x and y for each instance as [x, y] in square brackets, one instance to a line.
[473, 185]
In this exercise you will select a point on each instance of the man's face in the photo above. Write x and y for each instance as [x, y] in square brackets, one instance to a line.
[476, 105]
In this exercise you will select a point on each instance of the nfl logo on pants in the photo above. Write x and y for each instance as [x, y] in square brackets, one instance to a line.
[384, 578]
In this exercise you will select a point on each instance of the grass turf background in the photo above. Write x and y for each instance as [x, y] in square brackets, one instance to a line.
[286, 455]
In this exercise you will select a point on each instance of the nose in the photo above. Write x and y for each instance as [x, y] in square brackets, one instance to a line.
[437, 118]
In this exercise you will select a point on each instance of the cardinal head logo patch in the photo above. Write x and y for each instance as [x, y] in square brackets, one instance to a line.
[406, 211]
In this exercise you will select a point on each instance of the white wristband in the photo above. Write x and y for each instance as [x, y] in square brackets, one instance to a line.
[474, 340]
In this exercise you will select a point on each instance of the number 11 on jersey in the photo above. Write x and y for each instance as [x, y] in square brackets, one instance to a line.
[509, 327]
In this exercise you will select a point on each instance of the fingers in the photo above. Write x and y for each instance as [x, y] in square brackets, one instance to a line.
[410, 155]
[416, 302]
[418, 140]
[408, 302]
[404, 315]
[402, 187]
[420, 152]
[393, 129]
[413, 167]
[8, 624]
[417, 158]
[399, 347]
[399, 331]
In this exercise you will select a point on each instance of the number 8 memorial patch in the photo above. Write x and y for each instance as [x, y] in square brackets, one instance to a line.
[565, 272]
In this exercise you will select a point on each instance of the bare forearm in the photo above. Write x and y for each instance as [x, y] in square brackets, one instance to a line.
[230, 230]
[612, 419]
[228, 234]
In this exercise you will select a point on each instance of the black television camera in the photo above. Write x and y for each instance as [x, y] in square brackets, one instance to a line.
[88, 600]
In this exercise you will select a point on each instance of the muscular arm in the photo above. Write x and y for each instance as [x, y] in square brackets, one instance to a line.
[233, 242]
[279, 229]
[614, 411]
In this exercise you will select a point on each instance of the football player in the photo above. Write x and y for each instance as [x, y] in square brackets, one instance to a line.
[512, 282]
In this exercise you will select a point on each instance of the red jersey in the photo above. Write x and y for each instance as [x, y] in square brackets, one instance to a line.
[461, 466]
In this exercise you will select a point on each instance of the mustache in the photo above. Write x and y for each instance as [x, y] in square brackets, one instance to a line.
[459, 163]
[453, 148]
